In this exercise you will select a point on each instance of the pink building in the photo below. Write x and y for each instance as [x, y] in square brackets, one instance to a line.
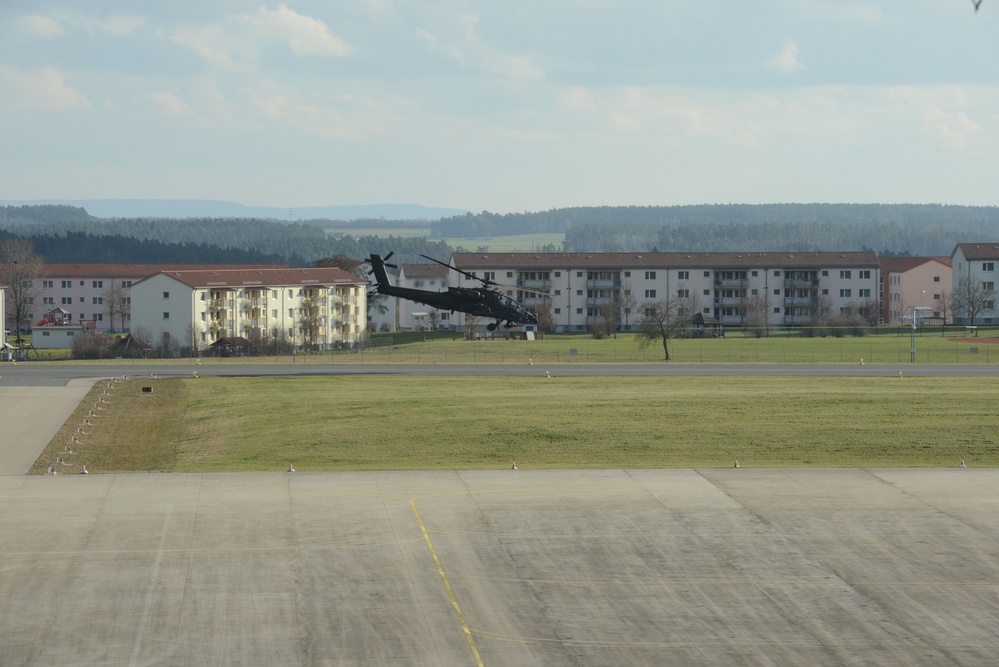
[909, 282]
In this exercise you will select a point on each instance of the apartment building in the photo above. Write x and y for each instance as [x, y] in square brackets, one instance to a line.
[99, 293]
[311, 308]
[908, 282]
[790, 289]
[976, 263]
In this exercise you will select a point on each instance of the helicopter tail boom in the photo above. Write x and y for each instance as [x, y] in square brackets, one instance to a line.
[378, 264]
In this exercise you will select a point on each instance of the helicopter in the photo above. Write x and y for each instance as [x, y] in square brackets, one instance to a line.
[482, 301]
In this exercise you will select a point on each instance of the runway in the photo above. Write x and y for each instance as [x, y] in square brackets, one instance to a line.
[504, 567]
[597, 567]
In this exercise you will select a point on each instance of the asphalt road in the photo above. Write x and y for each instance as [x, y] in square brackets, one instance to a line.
[482, 568]
[58, 374]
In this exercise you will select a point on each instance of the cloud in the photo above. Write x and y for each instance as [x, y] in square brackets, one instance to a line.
[305, 35]
[240, 40]
[577, 99]
[167, 104]
[40, 90]
[787, 61]
[39, 26]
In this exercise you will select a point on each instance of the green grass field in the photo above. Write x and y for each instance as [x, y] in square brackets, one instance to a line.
[888, 347]
[432, 423]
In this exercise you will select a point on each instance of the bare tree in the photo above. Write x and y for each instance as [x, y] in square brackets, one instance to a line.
[971, 298]
[433, 320]
[628, 303]
[471, 326]
[666, 319]
[945, 302]
[310, 321]
[20, 273]
[758, 314]
[118, 304]
[546, 317]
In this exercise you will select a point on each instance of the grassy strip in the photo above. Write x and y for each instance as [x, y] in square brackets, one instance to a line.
[417, 423]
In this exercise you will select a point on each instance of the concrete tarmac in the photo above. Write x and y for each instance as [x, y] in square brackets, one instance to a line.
[30, 417]
[505, 567]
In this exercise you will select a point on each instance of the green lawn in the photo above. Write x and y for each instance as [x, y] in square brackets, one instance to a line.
[420, 423]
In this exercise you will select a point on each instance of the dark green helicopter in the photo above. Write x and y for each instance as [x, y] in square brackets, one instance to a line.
[482, 301]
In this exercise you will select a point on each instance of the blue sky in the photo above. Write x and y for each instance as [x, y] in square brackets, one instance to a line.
[501, 106]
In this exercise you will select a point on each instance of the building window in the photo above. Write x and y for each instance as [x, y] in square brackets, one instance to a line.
[864, 293]
[777, 292]
[558, 311]
[990, 286]
[166, 295]
[650, 275]
[844, 294]
[755, 273]
[936, 279]
[47, 283]
[681, 275]
[98, 301]
[82, 299]
[98, 317]
[825, 274]
[579, 311]
[776, 274]
[126, 284]
[845, 275]
[707, 292]
[683, 293]
[98, 284]
[274, 314]
[67, 301]
[650, 294]
[777, 310]
[627, 274]
[166, 316]
[67, 284]
[988, 266]
[707, 274]
[865, 275]
[48, 301]
[579, 292]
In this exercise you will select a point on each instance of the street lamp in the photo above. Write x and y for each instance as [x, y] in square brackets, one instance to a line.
[912, 346]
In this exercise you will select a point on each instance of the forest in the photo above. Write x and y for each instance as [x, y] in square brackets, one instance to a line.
[70, 234]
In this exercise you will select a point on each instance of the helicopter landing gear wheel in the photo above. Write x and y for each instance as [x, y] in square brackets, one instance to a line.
[491, 326]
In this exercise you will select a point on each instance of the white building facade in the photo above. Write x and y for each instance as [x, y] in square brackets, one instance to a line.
[310, 308]
[793, 289]
[977, 263]
[100, 293]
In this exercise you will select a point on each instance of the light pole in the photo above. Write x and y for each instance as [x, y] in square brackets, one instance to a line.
[912, 346]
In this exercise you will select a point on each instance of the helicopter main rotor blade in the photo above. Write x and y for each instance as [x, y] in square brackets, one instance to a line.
[484, 281]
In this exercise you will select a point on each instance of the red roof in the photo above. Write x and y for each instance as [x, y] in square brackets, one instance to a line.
[135, 270]
[264, 277]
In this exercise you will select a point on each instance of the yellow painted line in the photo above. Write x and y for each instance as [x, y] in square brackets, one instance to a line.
[447, 586]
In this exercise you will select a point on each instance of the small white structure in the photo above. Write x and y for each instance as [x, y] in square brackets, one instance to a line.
[54, 337]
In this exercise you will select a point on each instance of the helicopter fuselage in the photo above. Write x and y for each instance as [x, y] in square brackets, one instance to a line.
[477, 301]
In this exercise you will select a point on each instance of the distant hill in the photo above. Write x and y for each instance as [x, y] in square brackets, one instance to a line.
[209, 208]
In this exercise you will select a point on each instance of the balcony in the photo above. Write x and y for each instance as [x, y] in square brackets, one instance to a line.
[801, 282]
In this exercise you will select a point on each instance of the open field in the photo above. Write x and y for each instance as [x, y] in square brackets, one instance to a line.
[886, 348]
[883, 346]
[448, 423]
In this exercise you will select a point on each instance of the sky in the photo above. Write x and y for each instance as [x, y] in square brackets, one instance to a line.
[520, 105]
